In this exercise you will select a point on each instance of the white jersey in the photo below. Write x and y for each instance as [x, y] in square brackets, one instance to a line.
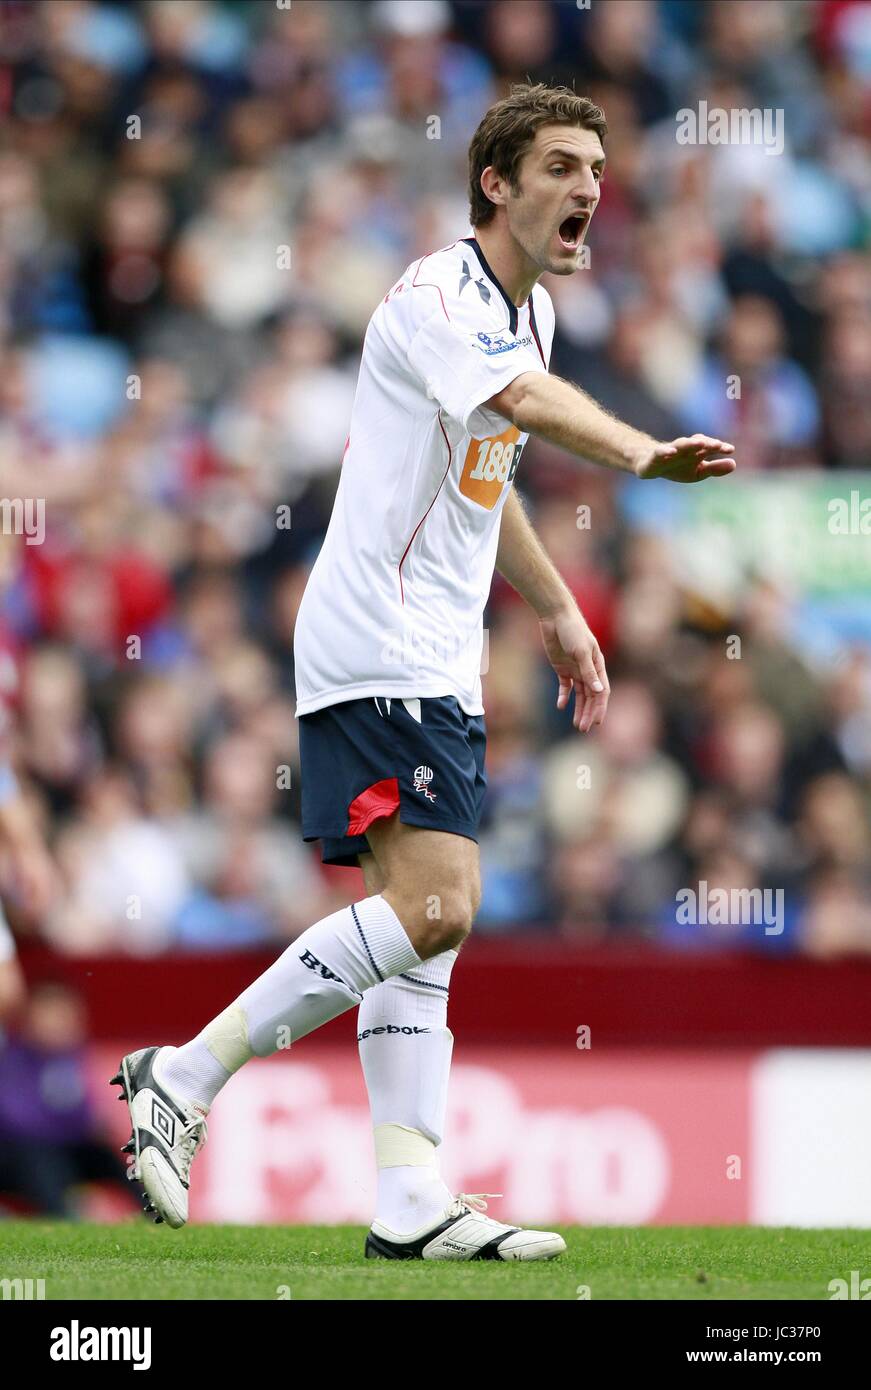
[395, 600]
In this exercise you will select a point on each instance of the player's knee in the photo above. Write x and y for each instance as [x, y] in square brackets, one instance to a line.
[445, 923]
[454, 922]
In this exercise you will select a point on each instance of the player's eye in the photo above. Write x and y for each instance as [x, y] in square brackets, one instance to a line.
[558, 169]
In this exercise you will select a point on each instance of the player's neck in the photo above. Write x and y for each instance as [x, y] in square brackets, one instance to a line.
[508, 262]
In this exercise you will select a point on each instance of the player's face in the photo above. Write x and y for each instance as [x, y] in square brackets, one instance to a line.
[559, 183]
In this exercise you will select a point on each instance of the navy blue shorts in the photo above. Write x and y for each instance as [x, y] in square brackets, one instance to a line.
[364, 759]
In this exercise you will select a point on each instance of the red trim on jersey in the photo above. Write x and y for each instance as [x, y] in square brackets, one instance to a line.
[428, 510]
[428, 284]
[381, 799]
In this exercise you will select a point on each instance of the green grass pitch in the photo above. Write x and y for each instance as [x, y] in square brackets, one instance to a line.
[133, 1261]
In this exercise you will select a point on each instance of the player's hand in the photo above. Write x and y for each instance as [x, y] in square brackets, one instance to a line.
[688, 460]
[574, 654]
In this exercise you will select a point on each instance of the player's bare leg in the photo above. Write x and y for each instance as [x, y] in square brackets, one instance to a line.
[405, 1050]
[372, 875]
[326, 971]
[430, 877]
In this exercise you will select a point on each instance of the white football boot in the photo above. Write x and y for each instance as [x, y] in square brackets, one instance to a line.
[463, 1232]
[167, 1133]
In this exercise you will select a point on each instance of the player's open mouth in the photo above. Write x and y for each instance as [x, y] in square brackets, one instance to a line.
[572, 230]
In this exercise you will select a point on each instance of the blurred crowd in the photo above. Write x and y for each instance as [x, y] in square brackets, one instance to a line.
[201, 203]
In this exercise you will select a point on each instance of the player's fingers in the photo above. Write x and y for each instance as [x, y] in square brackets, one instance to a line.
[691, 443]
[705, 441]
[580, 701]
[587, 668]
[594, 709]
[599, 708]
[565, 690]
[583, 707]
[599, 663]
[701, 443]
[716, 468]
[711, 451]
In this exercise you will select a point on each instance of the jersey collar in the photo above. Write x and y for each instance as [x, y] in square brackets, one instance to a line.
[485, 266]
[512, 308]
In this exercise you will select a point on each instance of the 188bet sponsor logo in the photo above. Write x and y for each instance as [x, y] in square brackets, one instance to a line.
[490, 464]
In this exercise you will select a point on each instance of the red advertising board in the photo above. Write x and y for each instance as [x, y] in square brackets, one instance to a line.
[566, 1135]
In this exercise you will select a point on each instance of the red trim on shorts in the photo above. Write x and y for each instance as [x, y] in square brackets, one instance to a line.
[381, 799]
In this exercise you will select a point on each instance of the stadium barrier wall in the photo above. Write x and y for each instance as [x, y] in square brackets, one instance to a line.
[708, 1088]
[616, 1137]
[528, 990]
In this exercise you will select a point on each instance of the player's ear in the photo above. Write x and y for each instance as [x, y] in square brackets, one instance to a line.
[493, 185]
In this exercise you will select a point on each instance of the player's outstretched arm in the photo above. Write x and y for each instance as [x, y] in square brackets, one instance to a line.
[556, 410]
[571, 648]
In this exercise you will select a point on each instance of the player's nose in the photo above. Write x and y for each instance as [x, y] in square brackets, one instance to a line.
[586, 189]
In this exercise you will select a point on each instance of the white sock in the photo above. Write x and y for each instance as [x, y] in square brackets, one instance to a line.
[405, 1049]
[192, 1071]
[410, 1197]
[324, 972]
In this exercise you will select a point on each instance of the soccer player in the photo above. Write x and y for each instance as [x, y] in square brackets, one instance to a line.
[453, 379]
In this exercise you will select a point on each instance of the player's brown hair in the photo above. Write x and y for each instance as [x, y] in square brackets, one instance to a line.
[508, 129]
